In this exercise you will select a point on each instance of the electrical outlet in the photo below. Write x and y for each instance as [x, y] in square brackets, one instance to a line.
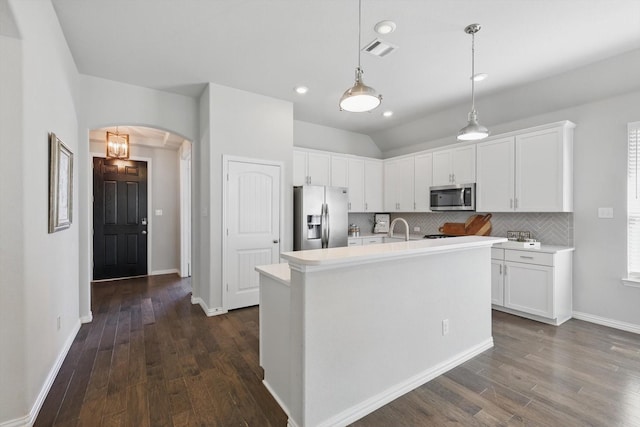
[605, 212]
[416, 229]
[445, 326]
[58, 322]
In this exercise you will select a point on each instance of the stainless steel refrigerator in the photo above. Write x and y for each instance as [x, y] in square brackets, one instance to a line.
[320, 217]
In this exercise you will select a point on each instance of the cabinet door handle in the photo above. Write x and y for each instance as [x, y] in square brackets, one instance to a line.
[414, 206]
[505, 270]
[349, 205]
[453, 177]
[516, 203]
[366, 206]
[510, 203]
[526, 257]
[501, 269]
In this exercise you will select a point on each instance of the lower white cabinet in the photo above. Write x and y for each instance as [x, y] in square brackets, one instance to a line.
[532, 283]
[354, 241]
[361, 241]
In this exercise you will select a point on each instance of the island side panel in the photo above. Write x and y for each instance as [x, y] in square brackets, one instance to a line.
[275, 337]
[364, 333]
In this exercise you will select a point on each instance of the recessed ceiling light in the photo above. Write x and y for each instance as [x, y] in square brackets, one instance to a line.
[385, 27]
[301, 90]
[388, 113]
[478, 77]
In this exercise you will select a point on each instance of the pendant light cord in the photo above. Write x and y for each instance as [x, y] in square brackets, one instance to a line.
[359, 29]
[473, 71]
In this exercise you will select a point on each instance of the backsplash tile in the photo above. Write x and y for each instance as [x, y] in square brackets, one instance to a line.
[549, 228]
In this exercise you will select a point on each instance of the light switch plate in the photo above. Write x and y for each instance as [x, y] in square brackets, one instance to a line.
[605, 212]
[158, 212]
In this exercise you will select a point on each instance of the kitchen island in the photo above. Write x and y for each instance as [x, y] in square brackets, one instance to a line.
[343, 331]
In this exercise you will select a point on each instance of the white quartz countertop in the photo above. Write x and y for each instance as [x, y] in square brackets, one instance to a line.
[357, 254]
[279, 272]
[519, 246]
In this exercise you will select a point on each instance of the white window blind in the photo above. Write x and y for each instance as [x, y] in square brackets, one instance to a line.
[633, 202]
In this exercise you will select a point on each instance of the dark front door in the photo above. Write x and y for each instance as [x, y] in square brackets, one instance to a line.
[119, 218]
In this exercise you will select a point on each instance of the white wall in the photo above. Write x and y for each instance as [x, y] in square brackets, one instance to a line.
[43, 84]
[12, 300]
[109, 103]
[253, 126]
[309, 135]
[201, 205]
[164, 191]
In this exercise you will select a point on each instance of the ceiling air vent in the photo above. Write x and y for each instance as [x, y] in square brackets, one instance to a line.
[379, 48]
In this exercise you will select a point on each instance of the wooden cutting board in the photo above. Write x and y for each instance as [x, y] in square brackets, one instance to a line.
[480, 225]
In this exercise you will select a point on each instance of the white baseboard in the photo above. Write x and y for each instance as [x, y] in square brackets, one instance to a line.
[612, 323]
[208, 311]
[169, 271]
[18, 422]
[29, 419]
[87, 319]
[356, 412]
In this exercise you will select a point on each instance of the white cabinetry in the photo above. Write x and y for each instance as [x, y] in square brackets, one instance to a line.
[454, 166]
[311, 167]
[398, 185]
[530, 171]
[497, 277]
[362, 177]
[423, 179]
[533, 284]
[373, 185]
[363, 241]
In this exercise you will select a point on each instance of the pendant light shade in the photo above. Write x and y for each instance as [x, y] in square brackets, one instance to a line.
[473, 131]
[359, 98]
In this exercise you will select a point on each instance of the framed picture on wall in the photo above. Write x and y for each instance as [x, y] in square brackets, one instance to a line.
[60, 185]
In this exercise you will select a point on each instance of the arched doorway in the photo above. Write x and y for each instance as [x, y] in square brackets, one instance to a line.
[166, 224]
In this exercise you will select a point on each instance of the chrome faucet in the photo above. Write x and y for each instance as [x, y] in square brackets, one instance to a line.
[406, 227]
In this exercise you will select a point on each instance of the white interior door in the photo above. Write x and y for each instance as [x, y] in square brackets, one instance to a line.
[252, 228]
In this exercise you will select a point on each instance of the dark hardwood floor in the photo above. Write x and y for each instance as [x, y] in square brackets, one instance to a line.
[151, 358]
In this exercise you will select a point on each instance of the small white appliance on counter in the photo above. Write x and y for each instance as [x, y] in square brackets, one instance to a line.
[381, 223]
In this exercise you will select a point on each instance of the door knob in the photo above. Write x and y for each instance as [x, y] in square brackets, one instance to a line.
[276, 241]
[144, 231]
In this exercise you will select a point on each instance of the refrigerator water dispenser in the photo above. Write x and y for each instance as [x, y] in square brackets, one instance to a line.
[314, 226]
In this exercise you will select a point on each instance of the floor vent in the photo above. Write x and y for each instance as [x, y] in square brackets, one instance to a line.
[379, 48]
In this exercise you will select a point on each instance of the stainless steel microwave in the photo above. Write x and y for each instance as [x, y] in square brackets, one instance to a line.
[459, 197]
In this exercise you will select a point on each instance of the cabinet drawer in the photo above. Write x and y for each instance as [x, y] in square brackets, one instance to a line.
[497, 253]
[529, 257]
[371, 240]
[355, 242]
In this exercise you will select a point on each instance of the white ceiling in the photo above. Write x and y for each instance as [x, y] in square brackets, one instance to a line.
[270, 46]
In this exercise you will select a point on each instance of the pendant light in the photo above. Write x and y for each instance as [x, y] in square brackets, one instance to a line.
[117, 145]
[473, 131]
[360, 97]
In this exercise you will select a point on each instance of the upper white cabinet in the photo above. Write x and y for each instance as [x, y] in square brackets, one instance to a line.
[527, 172]
[495, 176]
[311, 168]
[398, 185]
[454, 166]
[373, 185]
[423, 179]
[362, 177]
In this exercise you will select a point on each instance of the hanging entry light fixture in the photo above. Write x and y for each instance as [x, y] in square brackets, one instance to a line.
[473, 131]
[360, 97]
[117, 145]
